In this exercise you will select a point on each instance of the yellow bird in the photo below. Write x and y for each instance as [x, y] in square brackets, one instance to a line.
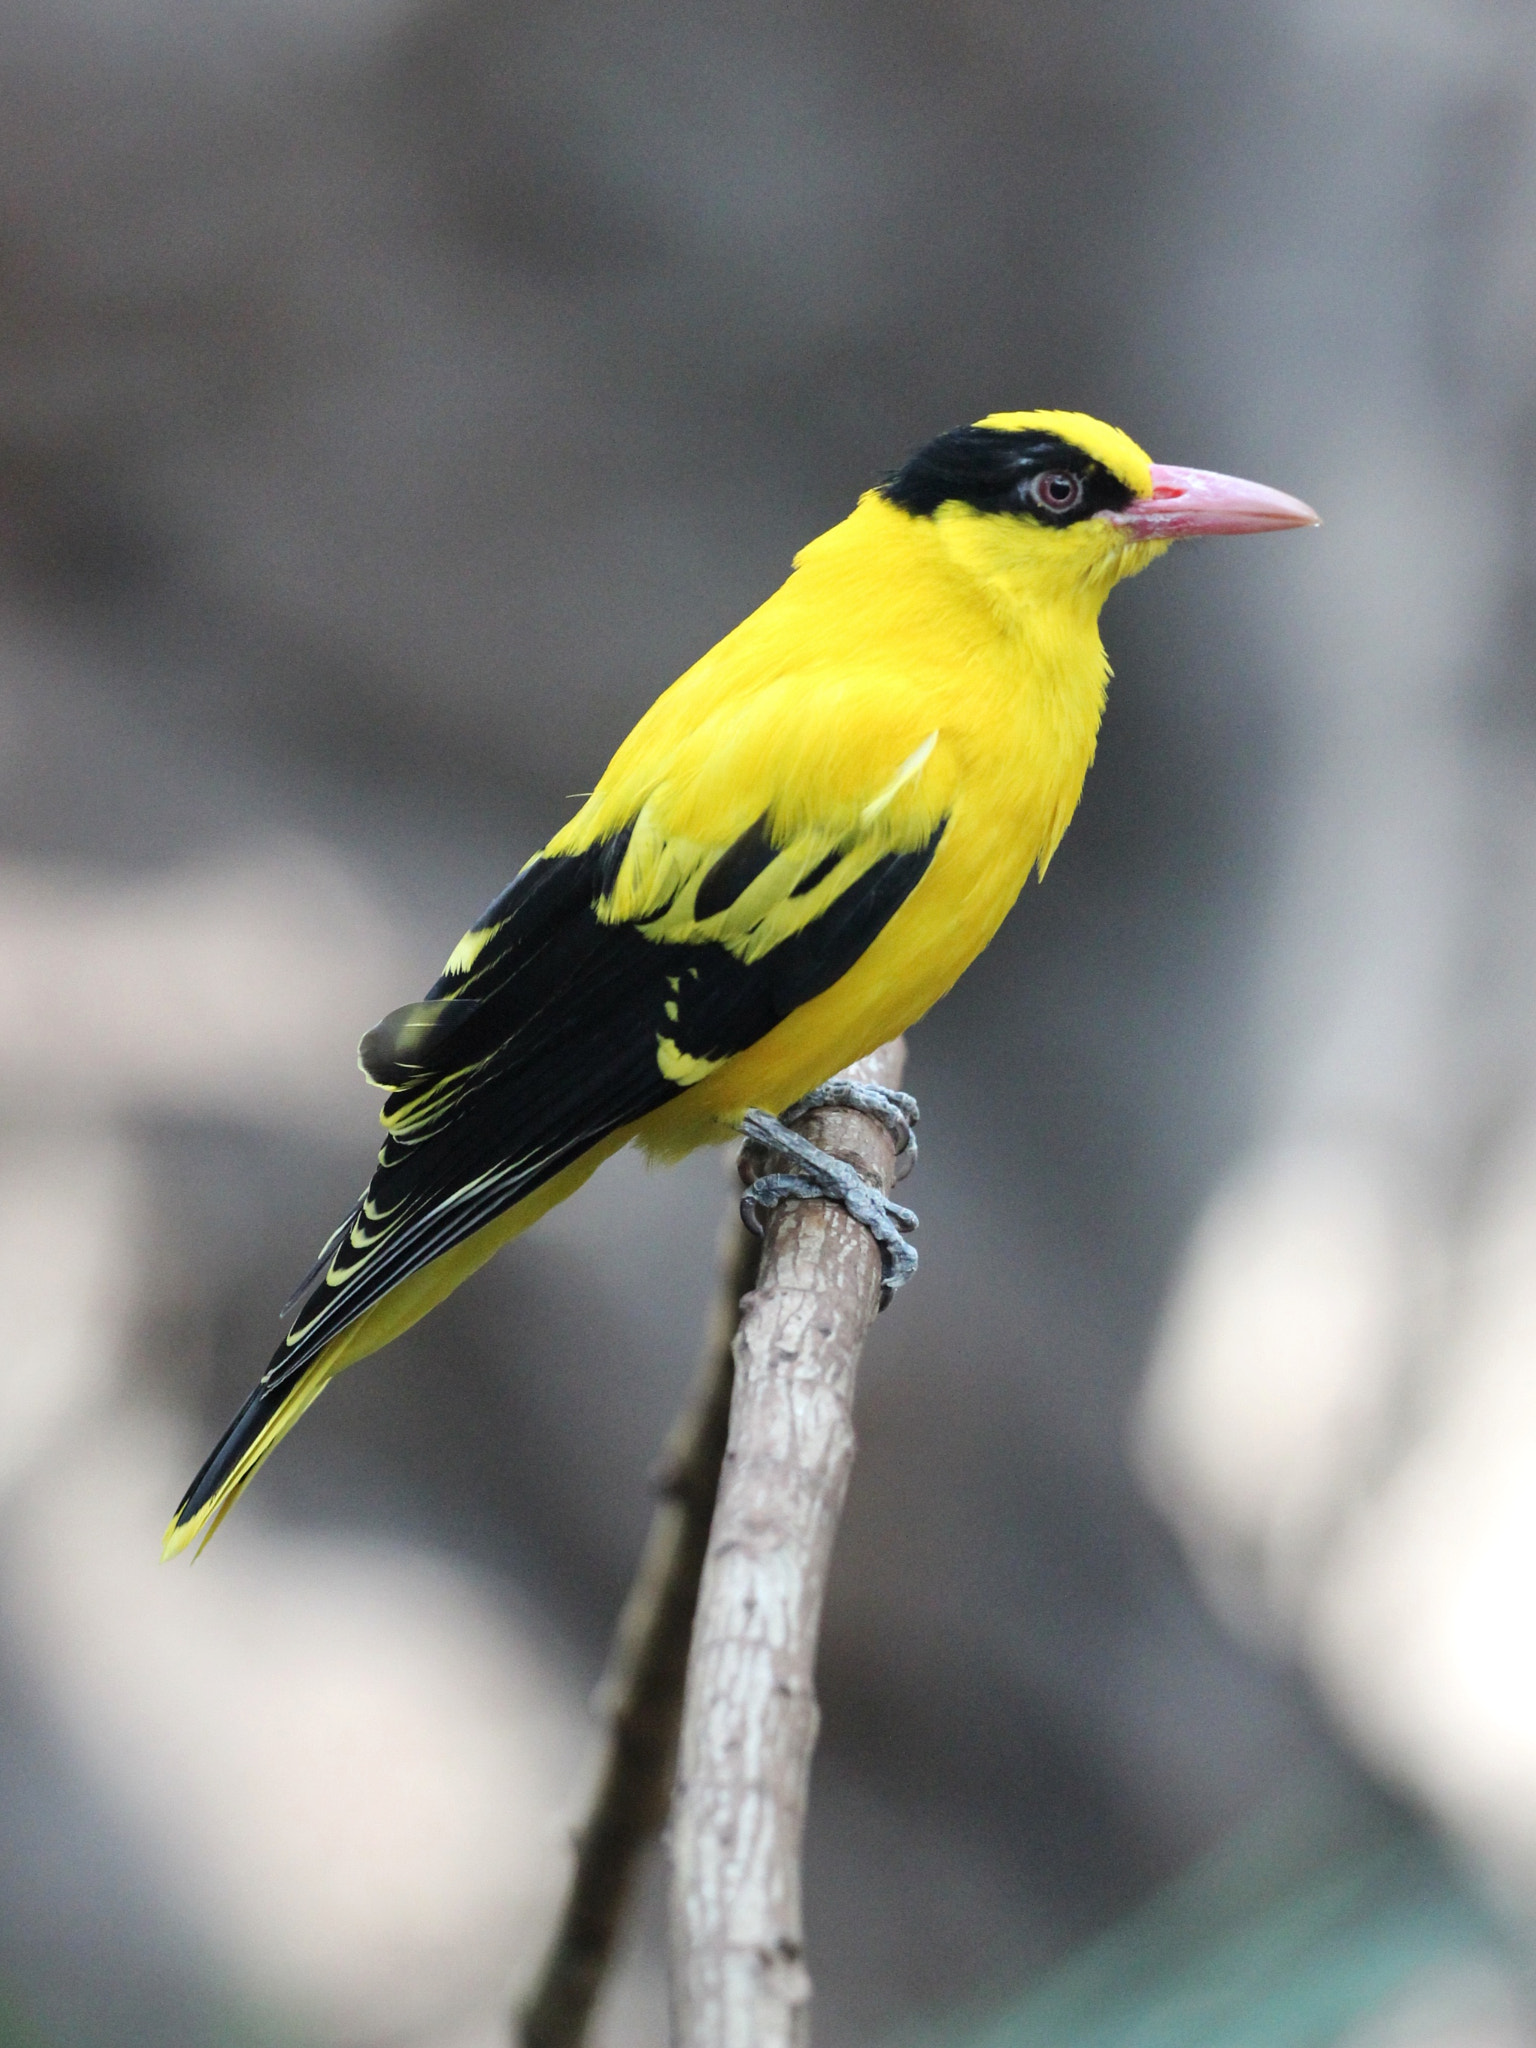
[800, 847]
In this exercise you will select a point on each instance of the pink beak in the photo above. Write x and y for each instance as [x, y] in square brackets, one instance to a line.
[1193, 501]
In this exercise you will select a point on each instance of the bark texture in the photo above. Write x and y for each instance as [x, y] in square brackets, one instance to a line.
[739, 1978]
[641, 1696]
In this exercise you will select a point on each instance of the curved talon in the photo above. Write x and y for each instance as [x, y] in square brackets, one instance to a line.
[892, 1107]
[823, 1178]
[772, 1188]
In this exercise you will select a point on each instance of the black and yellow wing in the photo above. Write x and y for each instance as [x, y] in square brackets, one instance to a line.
[596, 988]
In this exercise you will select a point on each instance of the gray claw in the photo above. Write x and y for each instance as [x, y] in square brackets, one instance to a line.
[892, 1107]
[821, 1177]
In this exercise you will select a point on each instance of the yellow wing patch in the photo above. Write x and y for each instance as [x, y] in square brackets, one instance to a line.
[659, 884]
[469, 949]
[752, 892]
[682, 1067]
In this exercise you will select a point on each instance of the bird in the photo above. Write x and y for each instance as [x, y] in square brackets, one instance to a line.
[796, 852]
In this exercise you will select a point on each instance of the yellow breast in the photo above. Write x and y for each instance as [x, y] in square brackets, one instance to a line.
[894, 637]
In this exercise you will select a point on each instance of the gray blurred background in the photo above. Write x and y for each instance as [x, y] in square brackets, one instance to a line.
[394, 396]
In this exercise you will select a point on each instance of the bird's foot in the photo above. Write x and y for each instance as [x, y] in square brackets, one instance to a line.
[819, 1176]
[892, 1107]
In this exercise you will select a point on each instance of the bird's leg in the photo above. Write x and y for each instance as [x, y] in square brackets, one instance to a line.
[818, 1176]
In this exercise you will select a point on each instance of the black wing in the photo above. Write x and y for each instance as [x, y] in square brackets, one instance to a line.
[553, 1026]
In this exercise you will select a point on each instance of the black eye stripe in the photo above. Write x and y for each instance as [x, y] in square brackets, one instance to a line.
[994, 469]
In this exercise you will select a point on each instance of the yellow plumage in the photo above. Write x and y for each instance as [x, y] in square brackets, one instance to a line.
[854, 783]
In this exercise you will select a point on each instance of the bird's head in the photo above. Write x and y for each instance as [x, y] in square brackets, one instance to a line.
[1056, 504]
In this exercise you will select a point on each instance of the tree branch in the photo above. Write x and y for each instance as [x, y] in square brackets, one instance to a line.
[642, 1692]
[750, 1716]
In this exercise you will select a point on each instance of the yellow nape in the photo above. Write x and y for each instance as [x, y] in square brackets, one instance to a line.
[1106, 444]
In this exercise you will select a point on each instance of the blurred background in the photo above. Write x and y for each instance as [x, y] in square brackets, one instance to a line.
[394, 396]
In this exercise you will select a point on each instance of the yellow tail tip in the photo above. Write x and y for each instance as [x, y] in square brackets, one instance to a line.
[177, 1536]
[204, 1520]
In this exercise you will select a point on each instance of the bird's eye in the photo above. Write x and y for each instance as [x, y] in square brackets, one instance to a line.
[1057, 490]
